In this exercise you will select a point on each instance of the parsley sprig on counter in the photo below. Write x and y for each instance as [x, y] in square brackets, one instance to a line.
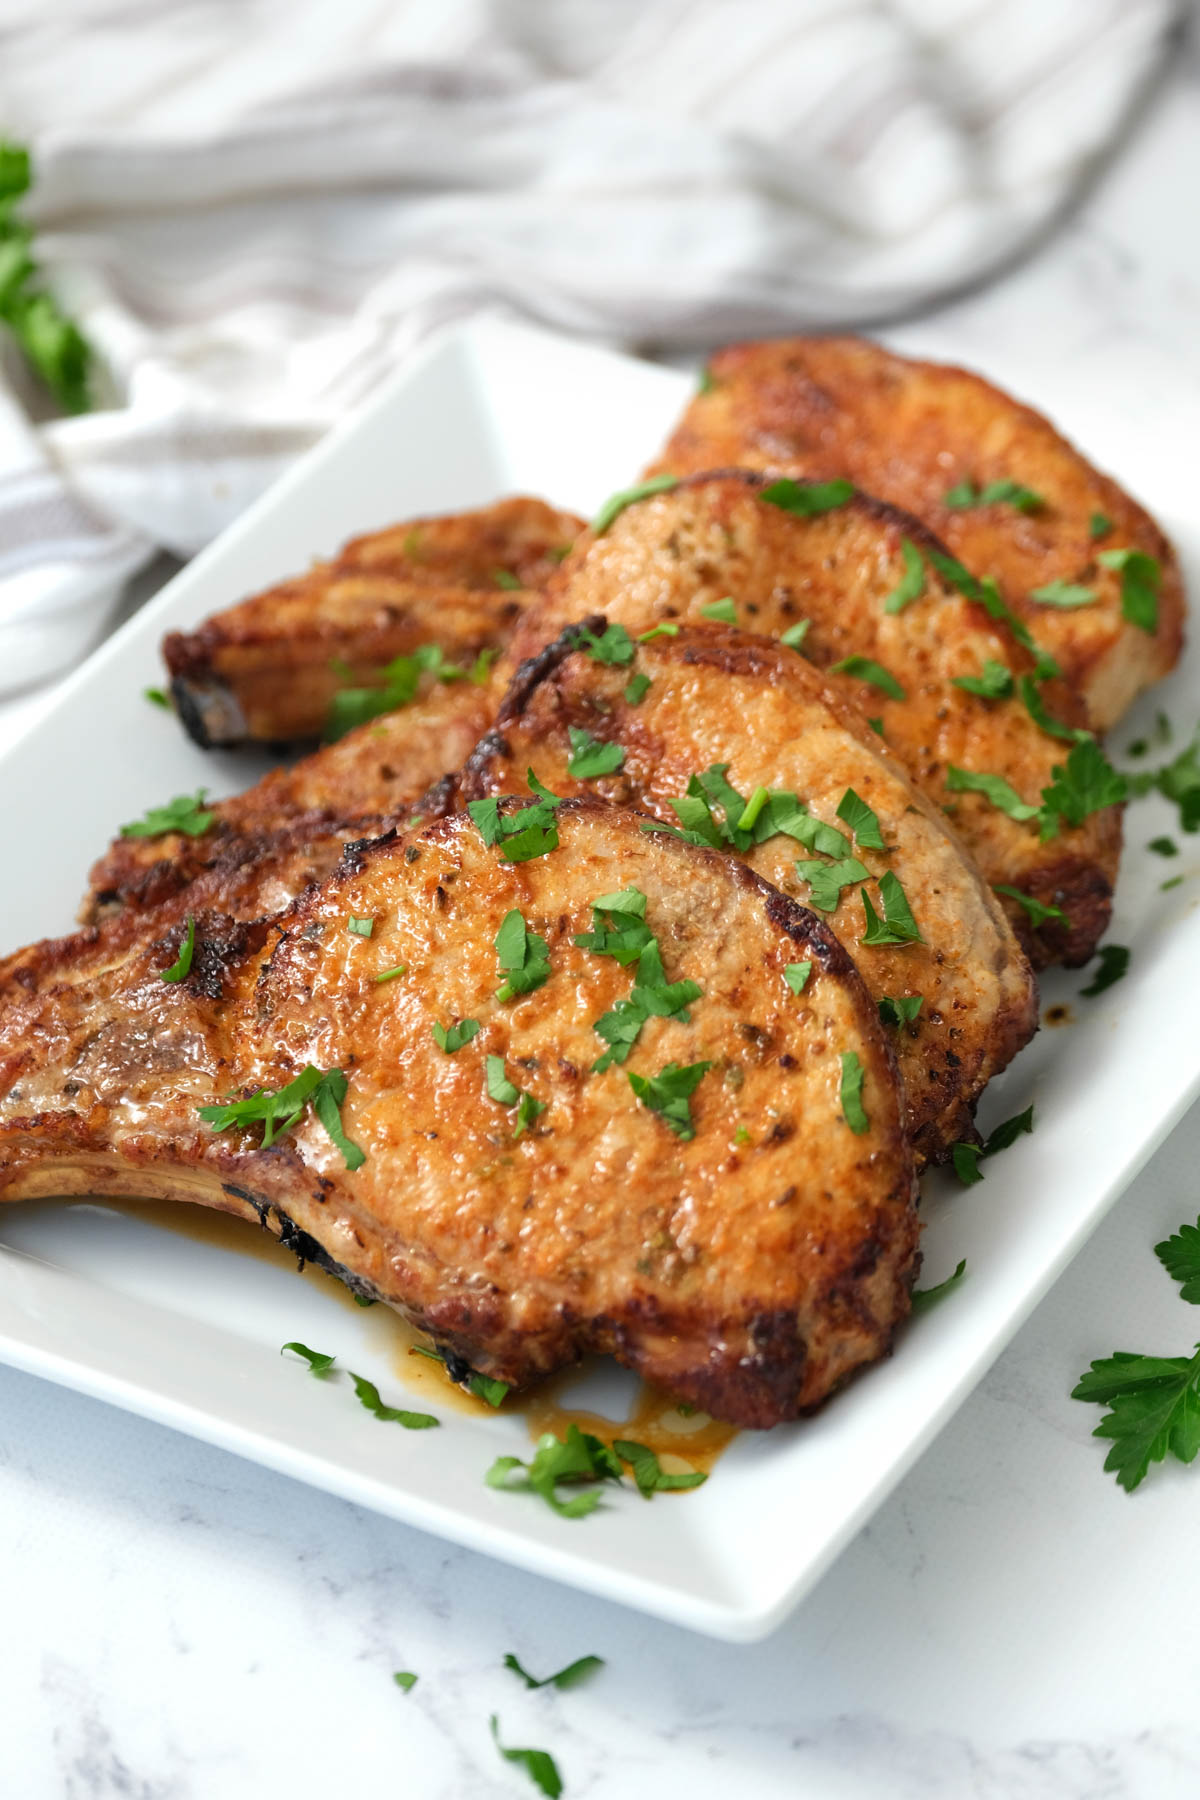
[1153, 1401]
[50, 342]
[570, 1677]
[539, 1765]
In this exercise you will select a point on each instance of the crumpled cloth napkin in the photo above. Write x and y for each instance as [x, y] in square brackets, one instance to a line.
[257, 210]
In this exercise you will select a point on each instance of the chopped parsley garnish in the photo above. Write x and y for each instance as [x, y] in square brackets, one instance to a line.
[505, 579]
[966, 1156]
[1006, 493]
[614, 645]
[636, 688]
[539, 1765]
[569, 1677]
[877, 727]
[862, 820]
[1038, 911]
[360, 927]
[591, 757]
[986, 594]
[994, 683]
[1154, 1401]
[368, 1396]
[504, 1093]
[619, 927]
[521, 835]
[898, 925]
[1165, 886]
[770, 811]
[1099, 525]
[652, 996]
[183, 962]
[484, 1387]
[657, 631]
[1140, 578]
[796, 975]
[649, 1474]
[1035, 706]
[397, 686]
[524, 958]
[560, 552]
[318, 1363]
[157, 697]
[826, 840]
[185, 813]
[853, 1110]
[391, 974]
[1177, 781]
[641, 490]
[1083, 785]
[993, 788]
[925, 1297]
[1163, 846]
[1063, 593]
[324, 1090]
[722, 612]
[826, 880]
[404, 1678]
[705, 381]
[795, 635]
[669, 1094]
[900, 1009]
[863, 668]
[452, 1038]
[911, 584]
[807, 499]
[577, 1457]
[1114, 963]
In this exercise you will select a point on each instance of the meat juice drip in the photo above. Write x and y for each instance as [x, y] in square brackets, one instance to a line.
[682, 1441]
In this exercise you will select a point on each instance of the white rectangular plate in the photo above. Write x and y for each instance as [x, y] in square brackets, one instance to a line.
[188, 1332]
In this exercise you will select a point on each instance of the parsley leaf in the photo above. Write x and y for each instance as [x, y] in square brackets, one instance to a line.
[505, 579]
[722, 612]
[807, 499]
[539, 1765]
[1063, 593]
[404, 1678]
[577, 1457]
[1140, 578]
[657, 631]
[863, 822]
[826, 880]
[619, 927]
[1154, 1404]
[1039, 913]
[922, 1298]
[1083, 785]
[641, 490]
[360, 927]
[652, 996]
[613, 646]
[994, 683]
[504, 1093]
[796, 975]
[185, 813]
[637, 688]
[669, 1093]
[157, 697]
[569, 1677]
[1035, 706]
[368, 1395]
[590, 756]
[986, 594]
[1180, 1257]
[397, 686]
[1114, 963]
[898, 926]
[993, 788]
[521, 835]
[318, 1363]
[278, 1112]
[51, 344]
[768, 812]
[795, 635]
[851, 1093]
[863, 668]
[648, 1471]
[1005, 492]
[911, 584]
[524, 958]
[1099, 525]
[705, 382]
[900, 1009]
[966, 1156]
[1163, 846]
[183, 962]
[826, 840]
[391, 974]
[1177, 781]
[451, 1039]
[484, 1387]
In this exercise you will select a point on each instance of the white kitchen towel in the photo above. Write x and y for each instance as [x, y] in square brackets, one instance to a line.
[256, 207]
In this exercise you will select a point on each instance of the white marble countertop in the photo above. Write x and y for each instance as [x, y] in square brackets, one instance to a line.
[181, 1625]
